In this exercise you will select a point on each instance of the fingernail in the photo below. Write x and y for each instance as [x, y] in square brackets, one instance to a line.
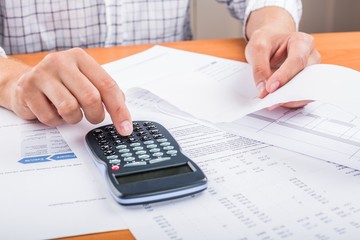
[260, 87]
[274, 86]
[126, 128]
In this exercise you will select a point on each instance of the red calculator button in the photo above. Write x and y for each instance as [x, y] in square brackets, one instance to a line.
[115, 168]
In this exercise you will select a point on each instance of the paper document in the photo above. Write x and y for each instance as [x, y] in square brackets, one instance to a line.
[320, 130]
[46, 190]
[51, 188]
[255, 191]
[221, 90]
[217, 89]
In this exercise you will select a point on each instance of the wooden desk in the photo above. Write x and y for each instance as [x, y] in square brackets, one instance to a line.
[335, 48]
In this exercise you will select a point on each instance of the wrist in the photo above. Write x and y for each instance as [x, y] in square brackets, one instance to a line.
[8, 79]
[271, 20]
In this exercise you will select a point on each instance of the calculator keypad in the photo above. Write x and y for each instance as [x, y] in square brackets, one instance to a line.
[145, 146]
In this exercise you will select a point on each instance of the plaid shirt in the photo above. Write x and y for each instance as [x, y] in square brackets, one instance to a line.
[28, 26]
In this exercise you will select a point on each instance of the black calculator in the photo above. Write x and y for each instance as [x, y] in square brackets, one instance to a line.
[147, 166]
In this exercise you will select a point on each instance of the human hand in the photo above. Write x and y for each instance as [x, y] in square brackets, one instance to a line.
[66, 85]
[277, 53]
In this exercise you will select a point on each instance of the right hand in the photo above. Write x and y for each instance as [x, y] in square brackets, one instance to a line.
[64, 86]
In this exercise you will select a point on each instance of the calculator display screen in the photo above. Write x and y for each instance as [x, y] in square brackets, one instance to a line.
[152, 174]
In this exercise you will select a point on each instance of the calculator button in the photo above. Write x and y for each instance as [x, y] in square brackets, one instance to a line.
[141, 152]
[114, 161]
[129, 159]
[154, 150]
[115, 167]
[100, 137]
[112, 157]
[105, 147]
[137, 129]
[156, 131]
[115, 137]
[157, 160]
[151, 146]
[158, 154]
[135, 144]
[138, 148]
[118, 142]
[124, 155]
[148, 123]
[165, 144]
[144, 138]
[168, 148]
[149, 142]
[109, 128]
[97, 132]
[132, 140]
[113, 132]
[172, 152]
[109, 152]
[124, 150]
[134, 164]
[151, 127]
[161, 140]
[121, 146]
[141, 133]
[145, 156]
[157, 136]
[103, 142]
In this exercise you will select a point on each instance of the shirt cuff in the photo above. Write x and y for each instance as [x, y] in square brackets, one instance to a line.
[294, 7]
[2, 53]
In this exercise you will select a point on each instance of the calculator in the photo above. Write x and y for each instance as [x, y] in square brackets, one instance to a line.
[146, 166]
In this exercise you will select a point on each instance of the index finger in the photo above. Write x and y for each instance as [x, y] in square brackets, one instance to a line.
[258, 54]
[111, 94]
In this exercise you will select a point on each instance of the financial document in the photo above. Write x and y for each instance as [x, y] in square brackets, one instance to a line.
[321, 130]
[46, 190]
[255, 190]
[222, 92]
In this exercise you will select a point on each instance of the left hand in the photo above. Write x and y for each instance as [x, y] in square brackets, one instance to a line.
[277, 55]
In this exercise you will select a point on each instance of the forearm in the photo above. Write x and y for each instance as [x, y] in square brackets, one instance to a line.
[270, 18]
[11, 71]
